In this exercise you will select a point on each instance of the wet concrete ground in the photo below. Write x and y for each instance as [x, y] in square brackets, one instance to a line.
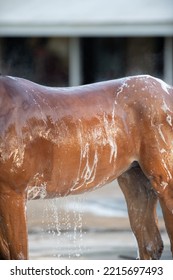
[90, 226]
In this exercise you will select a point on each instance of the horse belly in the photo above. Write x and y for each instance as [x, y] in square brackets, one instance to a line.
[73, 170]
[79, 169]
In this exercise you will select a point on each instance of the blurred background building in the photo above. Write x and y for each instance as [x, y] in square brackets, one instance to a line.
[71, 42]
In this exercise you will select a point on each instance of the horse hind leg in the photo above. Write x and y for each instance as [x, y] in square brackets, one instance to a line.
[168, 218]
[13, 232]
[162, 182]
[141, 203]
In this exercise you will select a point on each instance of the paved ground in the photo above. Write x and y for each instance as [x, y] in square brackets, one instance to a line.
[90, 226]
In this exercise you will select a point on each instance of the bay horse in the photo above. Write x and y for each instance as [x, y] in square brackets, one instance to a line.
[60, 141]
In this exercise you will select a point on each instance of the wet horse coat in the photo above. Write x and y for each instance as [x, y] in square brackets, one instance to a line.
[60, 141]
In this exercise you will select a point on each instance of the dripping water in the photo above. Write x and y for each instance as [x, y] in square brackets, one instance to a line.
[62, 222]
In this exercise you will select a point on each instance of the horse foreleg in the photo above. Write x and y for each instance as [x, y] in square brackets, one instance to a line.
[13, 232]
[141, 202]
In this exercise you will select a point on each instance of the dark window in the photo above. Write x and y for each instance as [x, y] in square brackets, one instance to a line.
[43, 60]
[110, 58]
